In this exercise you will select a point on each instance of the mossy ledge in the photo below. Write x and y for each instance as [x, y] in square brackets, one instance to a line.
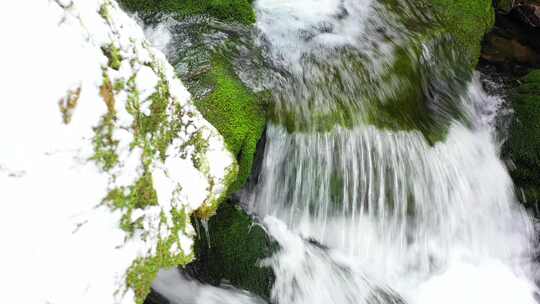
[226, 10]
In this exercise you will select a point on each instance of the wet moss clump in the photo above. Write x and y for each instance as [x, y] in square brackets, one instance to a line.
[236, 112]
[523, 146]
[232, 250]
[226, 10]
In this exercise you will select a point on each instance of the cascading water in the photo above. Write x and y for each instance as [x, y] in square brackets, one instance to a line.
[402, 201]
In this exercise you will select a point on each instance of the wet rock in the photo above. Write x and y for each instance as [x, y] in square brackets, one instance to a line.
[514, 41]
[503, 49]
[530, 14]
[528, 10]
[230, 249]
[156, 298]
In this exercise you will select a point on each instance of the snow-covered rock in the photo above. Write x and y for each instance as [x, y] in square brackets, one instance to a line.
[103, 156]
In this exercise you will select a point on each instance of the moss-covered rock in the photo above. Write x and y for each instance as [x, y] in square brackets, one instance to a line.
[231, 250]
[468, 21]
[227, 10]
[236, 112]
[426, 100]
[420, 90]
[523, 146]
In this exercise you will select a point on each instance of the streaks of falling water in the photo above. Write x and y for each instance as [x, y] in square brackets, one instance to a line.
[394, 210]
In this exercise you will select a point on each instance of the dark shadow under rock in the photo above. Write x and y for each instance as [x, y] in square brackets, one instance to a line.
[514, 43]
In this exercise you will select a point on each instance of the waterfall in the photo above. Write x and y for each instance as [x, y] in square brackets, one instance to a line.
[372, 197]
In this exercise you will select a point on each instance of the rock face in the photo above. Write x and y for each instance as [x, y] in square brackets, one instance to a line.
[119, 158]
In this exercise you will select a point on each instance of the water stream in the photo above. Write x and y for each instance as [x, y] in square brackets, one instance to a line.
[401, 201]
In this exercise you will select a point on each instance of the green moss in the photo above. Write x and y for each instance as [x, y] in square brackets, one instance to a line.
[143, 271]
[137, 196]
[113, 55]
[201, 147]
[143, 193]
[210, 207]
[523, 146]
[234, 251]
[416, 102]
[167, 254]
[104, 11]
[154, 132]
[406, 110]
[68, 104]
[157, 122]
[467, 21]
[104, 143]
[227, 10]
[426, 99]
[429, 95]
[237, 114]
[119, 85]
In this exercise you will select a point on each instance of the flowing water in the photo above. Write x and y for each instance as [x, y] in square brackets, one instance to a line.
[373, 196]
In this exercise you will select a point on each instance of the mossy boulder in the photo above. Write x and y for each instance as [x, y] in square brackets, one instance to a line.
[231, 250]
[226, 10]
[523, 145]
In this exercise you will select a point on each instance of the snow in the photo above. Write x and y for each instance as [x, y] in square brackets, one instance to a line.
[58, 245]
[146, 81]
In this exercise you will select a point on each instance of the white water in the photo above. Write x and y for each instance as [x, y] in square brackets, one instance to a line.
[399, 220]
